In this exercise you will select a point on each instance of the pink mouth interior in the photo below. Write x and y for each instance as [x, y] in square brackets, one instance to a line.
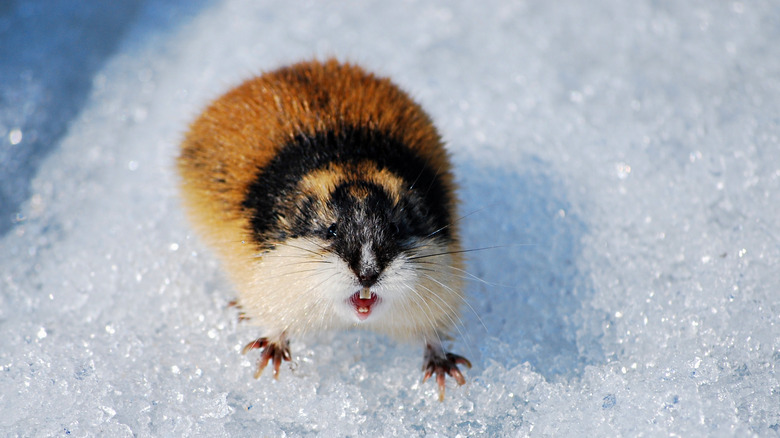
[363, 307]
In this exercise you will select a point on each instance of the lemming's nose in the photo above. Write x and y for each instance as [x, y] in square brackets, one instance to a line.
[368, 277]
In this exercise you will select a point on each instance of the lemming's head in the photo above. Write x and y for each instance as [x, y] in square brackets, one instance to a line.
[367, 229]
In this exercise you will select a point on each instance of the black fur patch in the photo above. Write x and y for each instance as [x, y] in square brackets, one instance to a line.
[273, 189]
[364, 221]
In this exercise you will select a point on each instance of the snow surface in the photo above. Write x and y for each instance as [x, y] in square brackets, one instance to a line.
[624, 156]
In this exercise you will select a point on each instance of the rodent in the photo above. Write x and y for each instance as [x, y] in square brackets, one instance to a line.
[328, 195]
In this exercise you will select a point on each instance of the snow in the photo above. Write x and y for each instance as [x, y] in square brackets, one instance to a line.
[619, 161]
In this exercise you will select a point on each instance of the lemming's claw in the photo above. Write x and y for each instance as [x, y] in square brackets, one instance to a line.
[436, 361]
[276, 351]
[241, 315]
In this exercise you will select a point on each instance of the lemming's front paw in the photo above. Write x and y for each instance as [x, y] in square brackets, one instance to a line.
[278, 351]
[439, 362]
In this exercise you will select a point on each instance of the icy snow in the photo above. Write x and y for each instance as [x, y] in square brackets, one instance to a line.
[622, 158]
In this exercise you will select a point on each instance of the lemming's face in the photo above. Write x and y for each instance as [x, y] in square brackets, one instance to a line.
[369, 235]
[363, 250]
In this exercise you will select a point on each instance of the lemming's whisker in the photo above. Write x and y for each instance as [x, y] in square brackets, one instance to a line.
[465, 275]
[415, 300]
[462, 298]
[449, 315]
[289, 256]
[437, 271]
[405, 305]
[302, 271]
[300, 248]
[430, 321]
[433, 180]
[422, 170]
[461, 251]
[459, 323]
[436, 295]
[316, 243]
[321, 283]
[454, 222]
[318, 302]
[419, 247]
[416, 268]
[305, 259]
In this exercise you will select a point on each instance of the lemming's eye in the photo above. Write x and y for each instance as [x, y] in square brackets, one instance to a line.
[332, 230]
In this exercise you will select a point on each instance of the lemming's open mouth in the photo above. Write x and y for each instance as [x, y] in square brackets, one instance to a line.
[363, 302]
